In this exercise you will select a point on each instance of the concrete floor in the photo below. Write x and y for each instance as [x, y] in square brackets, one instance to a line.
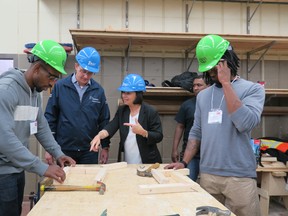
[276, 208]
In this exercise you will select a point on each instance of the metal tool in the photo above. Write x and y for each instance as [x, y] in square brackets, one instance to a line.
[104, 213]
[212, 211]
[145, 171]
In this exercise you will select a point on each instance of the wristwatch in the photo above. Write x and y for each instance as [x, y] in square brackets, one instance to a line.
[184, 163]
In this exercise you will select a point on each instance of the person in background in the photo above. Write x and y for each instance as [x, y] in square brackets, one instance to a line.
[225, 115]
[77, 110]
[139, 124]
[22, 116]
[185, 119]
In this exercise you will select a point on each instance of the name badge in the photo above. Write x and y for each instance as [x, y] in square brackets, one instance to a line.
[33, 127]
[215, 117]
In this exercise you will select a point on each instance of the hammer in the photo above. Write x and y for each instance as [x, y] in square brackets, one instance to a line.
[100, 186]
[212, 211]
[145, 171]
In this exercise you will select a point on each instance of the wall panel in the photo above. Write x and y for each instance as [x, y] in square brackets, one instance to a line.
[91, 14]
[270, 24]
[232, 18]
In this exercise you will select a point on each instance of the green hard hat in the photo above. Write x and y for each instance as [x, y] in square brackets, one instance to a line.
[209, 51]
[52, 53]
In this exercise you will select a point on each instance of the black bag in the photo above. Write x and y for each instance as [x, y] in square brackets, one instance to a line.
[183, 80]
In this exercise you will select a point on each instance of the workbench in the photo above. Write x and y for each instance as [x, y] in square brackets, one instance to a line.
[122, 198]
[272, 183]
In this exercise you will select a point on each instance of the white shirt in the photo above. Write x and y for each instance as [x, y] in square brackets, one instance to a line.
[131, 152]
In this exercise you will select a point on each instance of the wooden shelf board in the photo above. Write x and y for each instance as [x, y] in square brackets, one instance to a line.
[167, 100]
[108, 40]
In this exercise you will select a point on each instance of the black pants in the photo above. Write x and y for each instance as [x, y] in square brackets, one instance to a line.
[83, 157]
[11, 193]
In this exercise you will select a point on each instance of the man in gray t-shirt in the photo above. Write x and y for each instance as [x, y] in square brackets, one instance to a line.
[225, 115]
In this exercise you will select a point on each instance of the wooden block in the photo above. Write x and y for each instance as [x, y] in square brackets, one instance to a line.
[66, 170]
[268, 159]
[279, 174]
[101, 175]
[165, 188]
[178, 177]
[114, 165]
[278, 164]
[159, 176]
[184, 171]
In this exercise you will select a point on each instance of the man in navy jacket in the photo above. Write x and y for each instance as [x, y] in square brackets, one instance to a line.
[77, 110]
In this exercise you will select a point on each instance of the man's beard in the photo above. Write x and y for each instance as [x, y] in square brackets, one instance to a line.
[218, 84]
[38, 89]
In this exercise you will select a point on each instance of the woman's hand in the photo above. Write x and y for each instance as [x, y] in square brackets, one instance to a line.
[137, 128]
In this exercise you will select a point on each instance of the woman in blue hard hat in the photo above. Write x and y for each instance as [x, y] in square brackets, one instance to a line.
[139, 124]
[77, 110]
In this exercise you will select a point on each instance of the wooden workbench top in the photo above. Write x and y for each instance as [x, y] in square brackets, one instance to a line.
[122, 198]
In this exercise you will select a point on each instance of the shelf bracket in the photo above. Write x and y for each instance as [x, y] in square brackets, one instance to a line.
[249, 18]
[127, 54]
[187, 55]
[187, 14]
[127, 14]
[265, 47]
[78, 14]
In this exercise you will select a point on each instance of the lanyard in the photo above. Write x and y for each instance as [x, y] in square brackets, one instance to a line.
[212, 98]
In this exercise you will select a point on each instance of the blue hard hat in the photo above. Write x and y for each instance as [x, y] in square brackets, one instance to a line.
[89, 59]
[133, 83]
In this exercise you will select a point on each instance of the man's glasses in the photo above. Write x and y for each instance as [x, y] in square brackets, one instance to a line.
[52, 77]
[85, 72]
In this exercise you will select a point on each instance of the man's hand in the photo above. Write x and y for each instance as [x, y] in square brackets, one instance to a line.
[104, 156]
[95, 143]
[176, 165]
[224, 72]
[55, 172]
[49, 159]
[175, 156]
[66, 161]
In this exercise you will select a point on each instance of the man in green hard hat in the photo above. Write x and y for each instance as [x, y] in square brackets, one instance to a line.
[225, 115]
[21, 116]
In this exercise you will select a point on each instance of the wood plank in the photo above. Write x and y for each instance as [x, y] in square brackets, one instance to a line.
[159, 176]
[114, 165]
[171, 42]
[272, 169]
[268, 159]
[184, 171]
[66, 170]
[178, 177]
[279, 174]
[165, 188]
[101, 175]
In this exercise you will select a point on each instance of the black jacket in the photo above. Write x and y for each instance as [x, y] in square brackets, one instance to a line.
[149, 119]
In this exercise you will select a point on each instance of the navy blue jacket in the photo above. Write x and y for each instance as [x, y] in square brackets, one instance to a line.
[76, 123]
[149, 119]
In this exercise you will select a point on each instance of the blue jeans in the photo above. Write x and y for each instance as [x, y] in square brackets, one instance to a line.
[193, 166]
[11, 193]
[83, 157]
